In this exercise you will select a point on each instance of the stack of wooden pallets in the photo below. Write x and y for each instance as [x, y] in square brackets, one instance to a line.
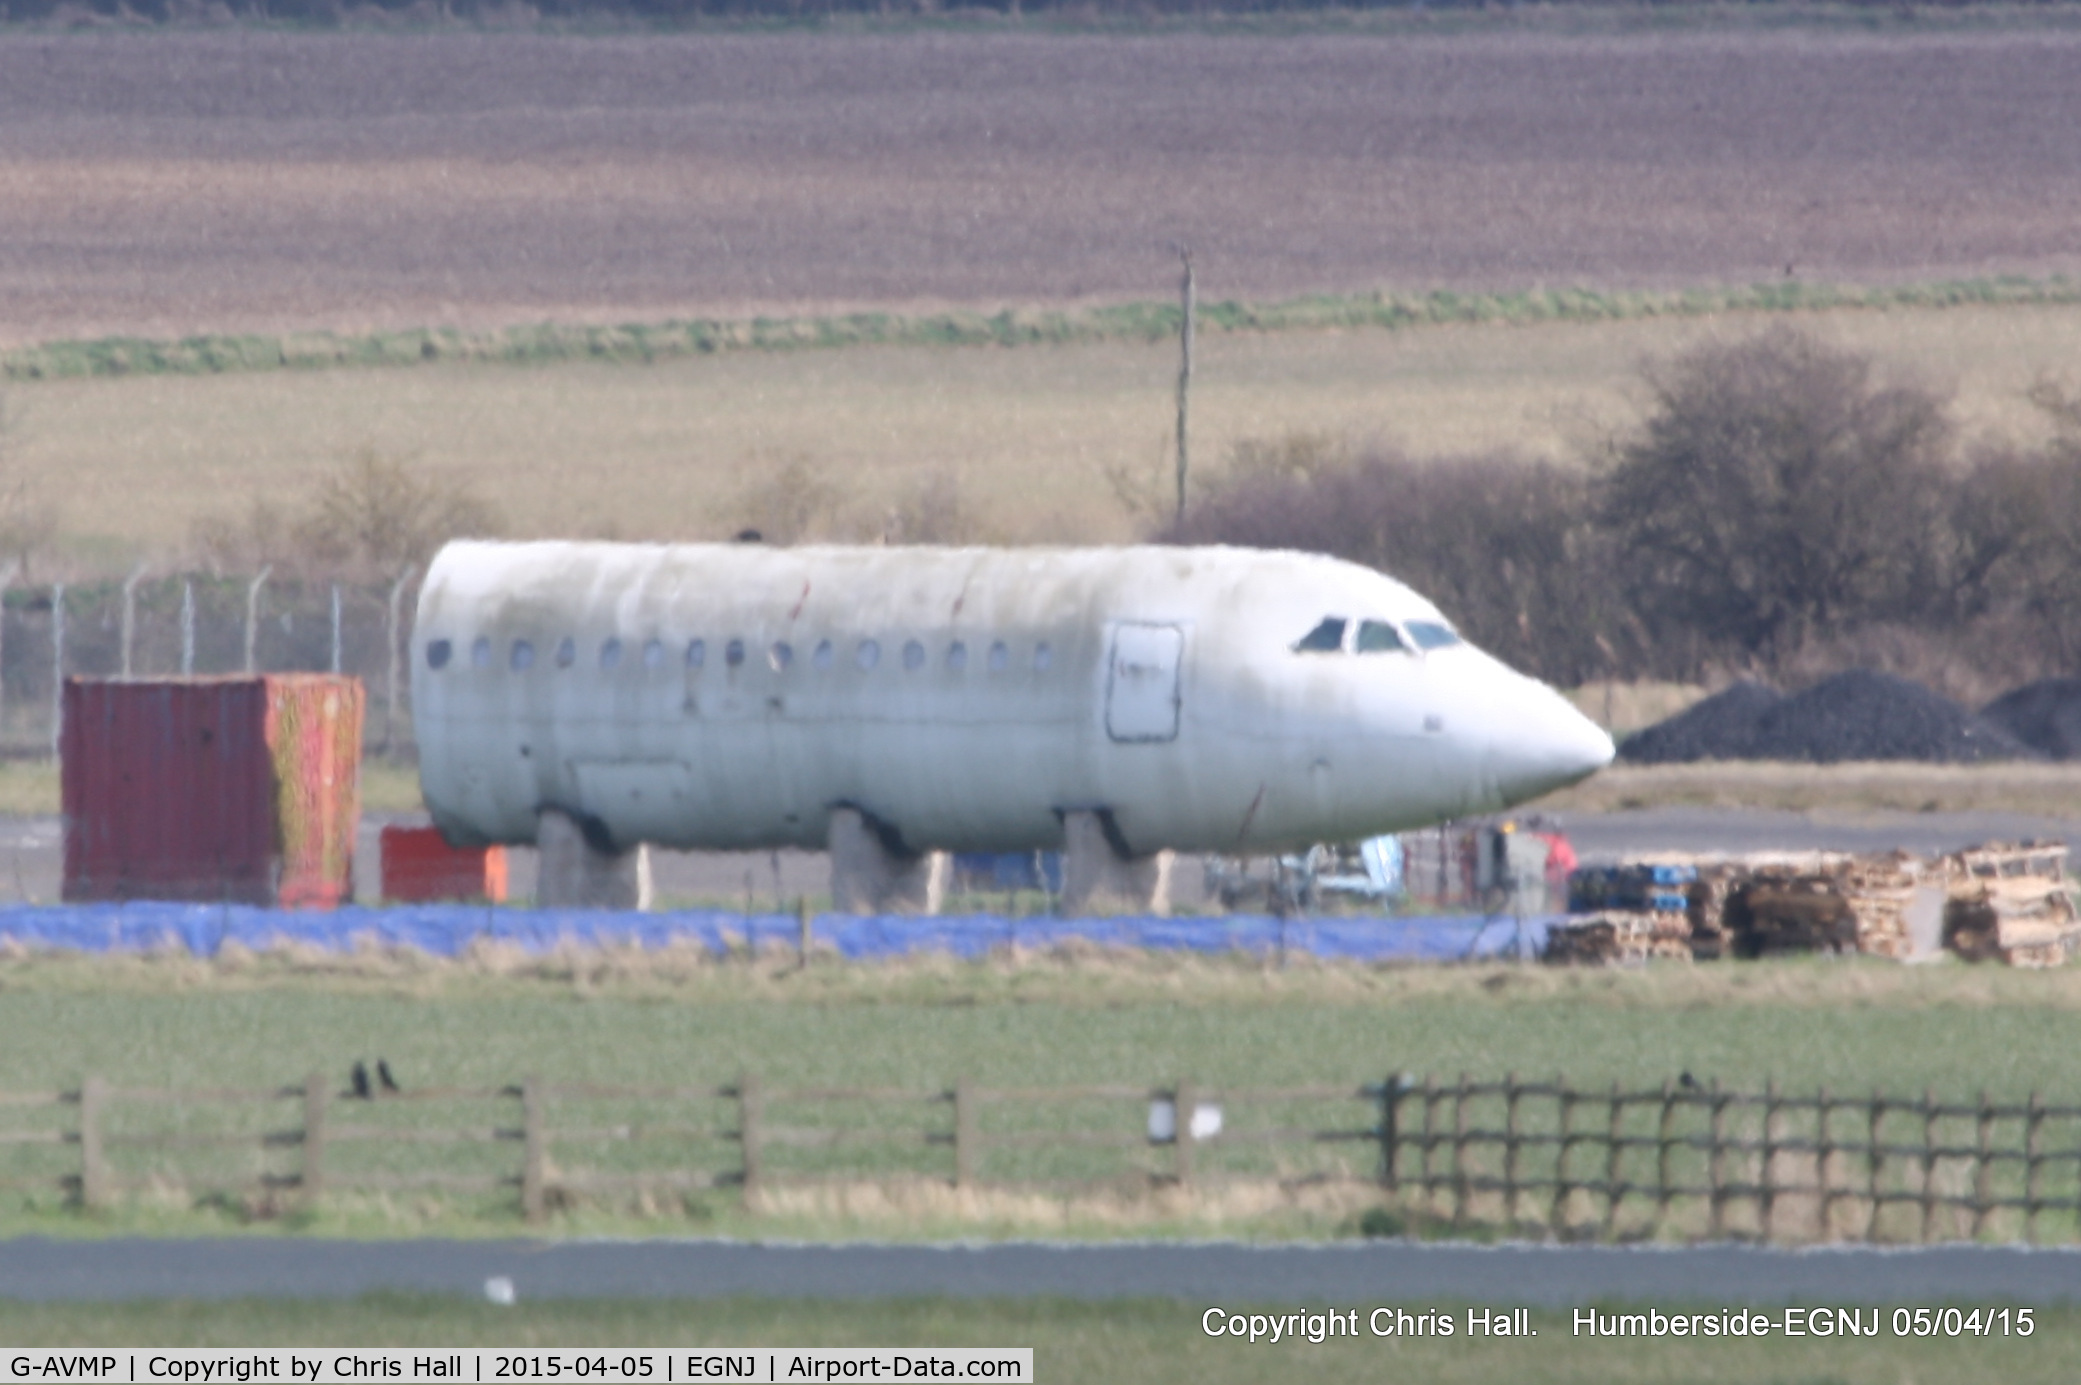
[1779, 907]
[1881, 892]
[1707, 908]
[1618, 936]
[2007, 903]
[1628, 913]
[2010, 903]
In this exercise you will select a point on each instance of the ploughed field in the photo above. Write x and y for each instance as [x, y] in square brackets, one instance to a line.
[168, 183]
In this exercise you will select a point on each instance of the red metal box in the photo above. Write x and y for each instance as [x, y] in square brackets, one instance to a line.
[244, 789]
[420, 867]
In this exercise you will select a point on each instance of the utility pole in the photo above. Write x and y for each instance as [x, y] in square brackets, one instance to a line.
[1184, 377]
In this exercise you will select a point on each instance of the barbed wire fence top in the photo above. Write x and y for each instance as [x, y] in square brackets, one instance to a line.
[198, 624]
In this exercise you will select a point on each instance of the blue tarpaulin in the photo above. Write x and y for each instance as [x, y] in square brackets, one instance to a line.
[448, 929]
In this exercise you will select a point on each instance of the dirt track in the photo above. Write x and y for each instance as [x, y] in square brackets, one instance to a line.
[171, 182]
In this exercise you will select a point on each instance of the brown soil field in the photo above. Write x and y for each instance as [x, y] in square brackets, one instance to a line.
[167, 183]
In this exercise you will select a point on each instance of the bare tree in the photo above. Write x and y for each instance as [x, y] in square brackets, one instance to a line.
[1777, 492]
[365, 520]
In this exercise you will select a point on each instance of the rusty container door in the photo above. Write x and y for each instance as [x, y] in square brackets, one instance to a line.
[239, 789]
[314, 741]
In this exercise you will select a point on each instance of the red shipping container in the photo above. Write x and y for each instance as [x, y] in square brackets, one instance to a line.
[420, 867]
[244, 789]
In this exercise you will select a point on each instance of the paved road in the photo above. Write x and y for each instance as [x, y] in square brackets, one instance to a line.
[1341, 1275]
[32, 849]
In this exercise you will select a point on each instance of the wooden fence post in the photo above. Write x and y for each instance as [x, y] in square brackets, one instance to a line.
[964, 1133]
[1929, 1148]
[312, 1183]
[749, 1115]
[1766, 1192]
[533, 1157]
[1824, 1155]
[1510, 1096]
[1874, 1163]
[93, 1166]
[1390, 1112]
[1983, 1171]
[1459, 1154]
[1557, 1215]
[1664, 1145]
[1715, 1171]
[1183, 1108]
[1430, 1140]
[2033, 1146]
[1614, 1162]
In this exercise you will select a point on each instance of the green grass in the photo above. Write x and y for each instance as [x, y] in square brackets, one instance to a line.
[646, 343]
[633, 1018]
[646, 1018]
[1148, 1341]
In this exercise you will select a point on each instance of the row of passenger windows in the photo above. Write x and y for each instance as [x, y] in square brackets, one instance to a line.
[1376, 636]
[780, 655]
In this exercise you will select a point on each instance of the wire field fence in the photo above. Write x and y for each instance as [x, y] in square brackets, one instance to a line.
[1466, 1157]
[157, 626]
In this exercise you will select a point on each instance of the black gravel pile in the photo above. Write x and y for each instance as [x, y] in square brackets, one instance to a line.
[2045, 715]
[1862, 715]
[1719, 728]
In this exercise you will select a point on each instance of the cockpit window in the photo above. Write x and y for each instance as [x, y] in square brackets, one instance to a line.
[1326, 638]
[1378, 637]
[1433, 634]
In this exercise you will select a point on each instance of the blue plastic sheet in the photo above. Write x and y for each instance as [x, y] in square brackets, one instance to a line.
[448, 929]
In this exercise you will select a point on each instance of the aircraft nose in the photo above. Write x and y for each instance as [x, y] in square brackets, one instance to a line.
[1543, 744]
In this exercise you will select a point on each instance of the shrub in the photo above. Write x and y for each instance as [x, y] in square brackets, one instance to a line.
[363, 521]
[1777, 493]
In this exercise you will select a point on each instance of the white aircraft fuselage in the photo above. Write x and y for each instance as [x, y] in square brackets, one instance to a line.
[731, 696]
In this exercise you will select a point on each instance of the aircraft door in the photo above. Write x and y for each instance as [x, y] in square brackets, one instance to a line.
[1142, 677]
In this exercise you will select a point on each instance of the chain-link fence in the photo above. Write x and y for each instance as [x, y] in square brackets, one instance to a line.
[195, 624]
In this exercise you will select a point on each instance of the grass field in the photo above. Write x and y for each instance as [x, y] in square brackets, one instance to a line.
[691, 448]
[1011, 1022]
[1150, 1341]
[2052, 790]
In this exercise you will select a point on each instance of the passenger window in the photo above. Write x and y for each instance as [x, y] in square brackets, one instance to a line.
[1433, 634]
[1042, 657]
[733, 653]
[913, 655]
[781, 655]
[957, 656]
[868, 654]
[1378, 637]
[610, 655]
[654, 654]
[696, 653]
[823, 656]
[1326, 638]
[1000, 657]
[566, 652]
[480, 653]
[523, 656]
[437, 653]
